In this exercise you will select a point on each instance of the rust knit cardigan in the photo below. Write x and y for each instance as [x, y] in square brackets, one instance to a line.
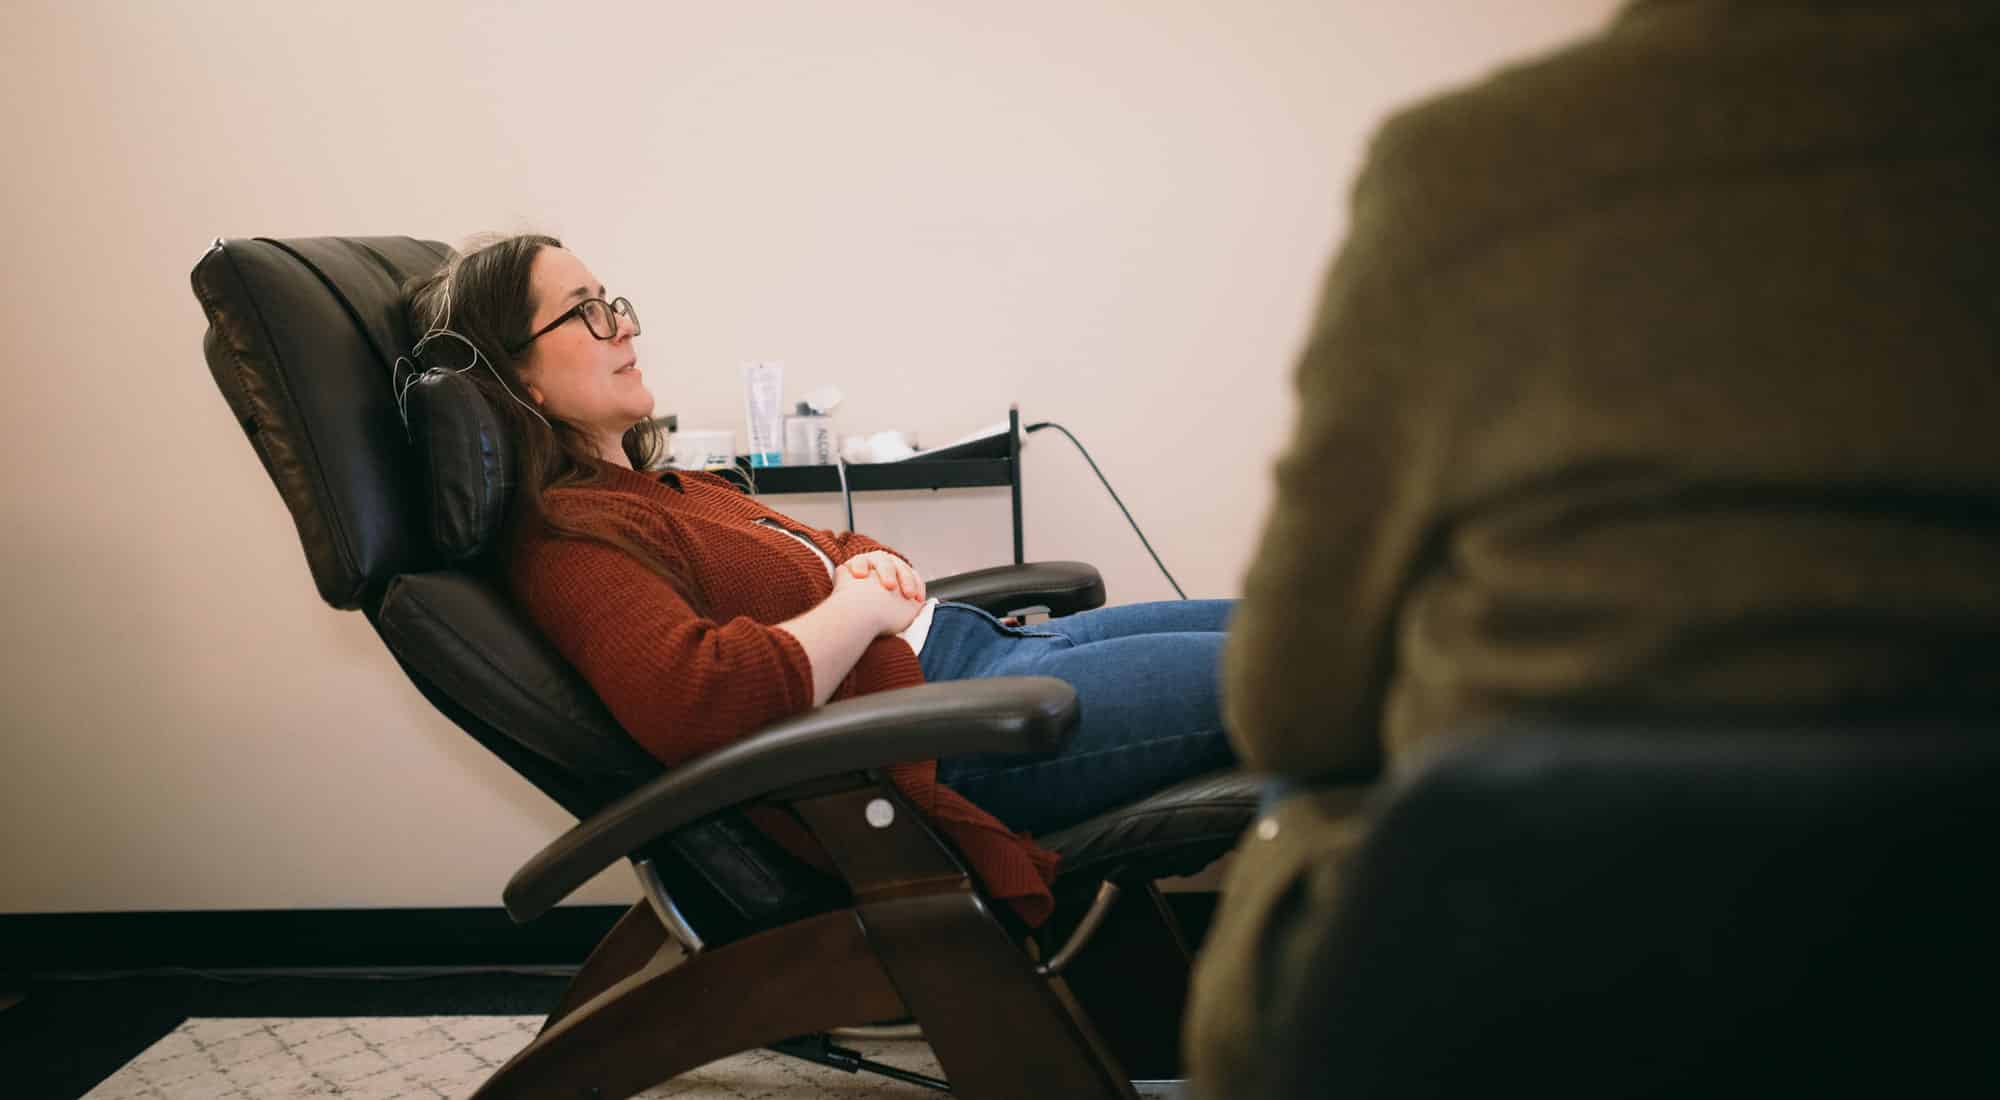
[688, 668]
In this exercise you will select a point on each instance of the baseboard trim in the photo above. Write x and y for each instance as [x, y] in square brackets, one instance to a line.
[41, 944]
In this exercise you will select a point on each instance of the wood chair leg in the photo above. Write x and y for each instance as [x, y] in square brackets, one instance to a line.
[676, 1013]
[632, 943]
[1000, 1030]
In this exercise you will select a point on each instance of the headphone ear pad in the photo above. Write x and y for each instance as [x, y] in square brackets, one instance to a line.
[466, 460]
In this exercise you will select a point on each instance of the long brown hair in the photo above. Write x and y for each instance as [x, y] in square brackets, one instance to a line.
[484, 295]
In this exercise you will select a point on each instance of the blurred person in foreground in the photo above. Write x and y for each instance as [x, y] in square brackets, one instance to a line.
[1658, 378]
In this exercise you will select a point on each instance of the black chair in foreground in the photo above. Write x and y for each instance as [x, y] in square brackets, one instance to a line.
[1588, 912]
[738, 944]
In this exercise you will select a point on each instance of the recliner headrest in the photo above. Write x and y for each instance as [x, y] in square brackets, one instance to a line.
[466, 460]
[301, 339]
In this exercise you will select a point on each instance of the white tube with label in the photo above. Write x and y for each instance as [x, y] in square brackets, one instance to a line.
[763, 405]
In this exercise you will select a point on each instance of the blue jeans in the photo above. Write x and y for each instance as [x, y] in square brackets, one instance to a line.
[1148, 694]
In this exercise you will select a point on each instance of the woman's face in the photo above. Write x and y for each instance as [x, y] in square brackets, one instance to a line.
[592, 384]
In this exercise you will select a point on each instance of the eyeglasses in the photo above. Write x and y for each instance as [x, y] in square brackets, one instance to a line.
[599, 316]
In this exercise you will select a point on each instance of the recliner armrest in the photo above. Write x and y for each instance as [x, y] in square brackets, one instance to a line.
[1005, 714]
[1064, 587]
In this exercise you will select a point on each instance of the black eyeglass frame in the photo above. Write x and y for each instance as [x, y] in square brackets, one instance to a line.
[612, 311]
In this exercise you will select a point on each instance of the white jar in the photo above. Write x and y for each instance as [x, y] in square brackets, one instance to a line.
[809, 439]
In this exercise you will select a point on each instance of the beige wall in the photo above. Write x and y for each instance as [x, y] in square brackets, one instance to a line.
[1113, 212]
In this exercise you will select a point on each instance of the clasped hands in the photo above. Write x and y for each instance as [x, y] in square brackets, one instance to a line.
[893, 601]
[894, 573]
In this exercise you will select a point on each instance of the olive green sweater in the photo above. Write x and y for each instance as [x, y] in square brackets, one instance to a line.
[1660, 375]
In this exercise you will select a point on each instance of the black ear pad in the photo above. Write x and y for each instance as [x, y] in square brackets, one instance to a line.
[467, 462]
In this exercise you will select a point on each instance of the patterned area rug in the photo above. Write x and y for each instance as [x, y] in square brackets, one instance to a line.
[445, 1058]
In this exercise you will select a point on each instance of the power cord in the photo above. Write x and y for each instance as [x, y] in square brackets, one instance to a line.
[1032, 428]
[846, 494]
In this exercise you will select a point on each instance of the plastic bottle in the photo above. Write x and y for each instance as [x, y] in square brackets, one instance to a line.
[809, 438]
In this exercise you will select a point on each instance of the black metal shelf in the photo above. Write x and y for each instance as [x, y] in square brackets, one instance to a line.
[911, 473]
[915, 473]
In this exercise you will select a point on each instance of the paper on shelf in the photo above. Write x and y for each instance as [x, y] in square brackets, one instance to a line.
[988, 432]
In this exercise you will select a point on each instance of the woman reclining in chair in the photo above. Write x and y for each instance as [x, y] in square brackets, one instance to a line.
[699, 615]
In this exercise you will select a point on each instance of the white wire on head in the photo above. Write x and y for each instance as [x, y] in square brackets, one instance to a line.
[417, 372]
[747, 473]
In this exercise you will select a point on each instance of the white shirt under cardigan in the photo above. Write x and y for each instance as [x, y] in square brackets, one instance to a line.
[914, 634]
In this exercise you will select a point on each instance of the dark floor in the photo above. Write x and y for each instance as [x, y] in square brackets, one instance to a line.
[64, 1037]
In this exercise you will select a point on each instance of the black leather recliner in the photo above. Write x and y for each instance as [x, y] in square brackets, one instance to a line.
[738, 944]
